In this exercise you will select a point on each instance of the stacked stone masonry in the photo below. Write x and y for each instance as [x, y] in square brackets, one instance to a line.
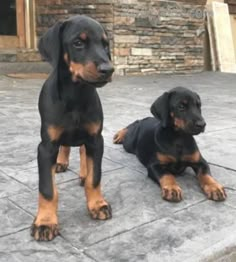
[146, 36]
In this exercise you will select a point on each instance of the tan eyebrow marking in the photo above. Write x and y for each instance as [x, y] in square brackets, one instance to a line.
[83, 36]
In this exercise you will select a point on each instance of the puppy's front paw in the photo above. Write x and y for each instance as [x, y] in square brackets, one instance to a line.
[100, 210]
[44, 232]
[215, 191]
[172, 193]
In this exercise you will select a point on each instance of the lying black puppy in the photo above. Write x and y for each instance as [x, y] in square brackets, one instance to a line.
[165, 144]
[71, 114]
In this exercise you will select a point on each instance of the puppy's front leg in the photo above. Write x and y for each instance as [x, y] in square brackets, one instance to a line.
[45, 225]
[171, 191]
[212, 189]
[97, 206]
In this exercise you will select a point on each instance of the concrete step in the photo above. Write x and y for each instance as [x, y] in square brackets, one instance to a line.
[24, 67]
[8, 55]
[19, 55]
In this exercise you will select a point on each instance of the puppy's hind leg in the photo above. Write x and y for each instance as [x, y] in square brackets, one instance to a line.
[63, 159]
[83, 165]
[119, 136]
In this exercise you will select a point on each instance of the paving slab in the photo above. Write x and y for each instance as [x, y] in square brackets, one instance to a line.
[177, 238]
[135, 200]
[144, 227]
[20, 247]
[11, 186]
[219, 147]
[28, 174]
[13, 218]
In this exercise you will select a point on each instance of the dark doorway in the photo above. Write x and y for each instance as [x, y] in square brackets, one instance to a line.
[8, 24]
[12, 23]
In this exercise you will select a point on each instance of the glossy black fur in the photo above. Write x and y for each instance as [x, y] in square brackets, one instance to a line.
[147, 137]
[70, 104]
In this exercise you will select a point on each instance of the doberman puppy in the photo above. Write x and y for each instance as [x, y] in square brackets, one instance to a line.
[165, 144]
[71, 114]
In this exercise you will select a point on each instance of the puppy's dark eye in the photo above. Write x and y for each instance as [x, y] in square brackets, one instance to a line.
[78, 44]
[198, 104]
[181, 107]
[106, 47]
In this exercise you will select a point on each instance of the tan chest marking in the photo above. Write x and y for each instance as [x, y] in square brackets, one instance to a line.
[193, 158]
[165, 159]
[55, 132]
[93, 128]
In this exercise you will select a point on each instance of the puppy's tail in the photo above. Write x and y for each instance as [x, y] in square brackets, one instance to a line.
[119, 136]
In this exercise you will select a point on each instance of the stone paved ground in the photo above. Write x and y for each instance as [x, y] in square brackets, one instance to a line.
[143, 227]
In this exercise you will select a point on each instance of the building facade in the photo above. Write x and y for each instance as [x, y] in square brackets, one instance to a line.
[147, 36]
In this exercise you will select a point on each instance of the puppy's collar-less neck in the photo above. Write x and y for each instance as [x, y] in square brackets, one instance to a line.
[73, 95]
[171, 135]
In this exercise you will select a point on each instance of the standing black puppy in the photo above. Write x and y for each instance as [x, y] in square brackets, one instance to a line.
[165, 144]
[71, 114]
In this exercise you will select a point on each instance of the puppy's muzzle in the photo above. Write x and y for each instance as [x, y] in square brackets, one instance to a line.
[198, 127]
[105, 71]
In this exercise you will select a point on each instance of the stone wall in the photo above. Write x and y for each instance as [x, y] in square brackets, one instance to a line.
[232, 6]
[147, 36]
[158, 37]
[50, 11]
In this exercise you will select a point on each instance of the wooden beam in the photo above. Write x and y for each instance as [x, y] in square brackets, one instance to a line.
[20, 18]
[9, 41]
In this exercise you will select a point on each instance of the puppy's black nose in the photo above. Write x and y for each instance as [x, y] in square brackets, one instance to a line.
[105, 69]
[200, 124]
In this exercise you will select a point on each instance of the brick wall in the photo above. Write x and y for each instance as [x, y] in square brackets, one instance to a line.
[232, 6]
[147, 36]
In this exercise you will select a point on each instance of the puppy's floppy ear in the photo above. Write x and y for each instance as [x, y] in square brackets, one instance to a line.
[50, 47]
[160, 109]
[50, 44]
